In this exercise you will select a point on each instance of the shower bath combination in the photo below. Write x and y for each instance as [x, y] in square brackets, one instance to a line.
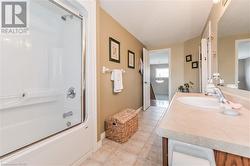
[41, 78]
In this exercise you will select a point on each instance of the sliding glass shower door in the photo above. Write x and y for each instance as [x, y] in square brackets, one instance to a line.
[41, 77]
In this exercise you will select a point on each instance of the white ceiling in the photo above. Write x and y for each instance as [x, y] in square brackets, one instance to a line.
[157, 23]
[158, 58]
[244, 50]
[236, 18]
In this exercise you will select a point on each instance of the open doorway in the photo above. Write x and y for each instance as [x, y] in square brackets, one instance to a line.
[242, 66]
[159, 77]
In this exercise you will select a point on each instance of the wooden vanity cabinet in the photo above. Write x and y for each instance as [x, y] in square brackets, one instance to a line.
[164, 151]
[227, 159]
[221, 158]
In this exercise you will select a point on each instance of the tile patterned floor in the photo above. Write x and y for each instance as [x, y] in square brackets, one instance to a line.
[161, 97]
[143, 149]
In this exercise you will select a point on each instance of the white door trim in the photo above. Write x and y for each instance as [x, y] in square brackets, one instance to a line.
[204, 64]
[146, 80]
[166, 50]
[91, 68]
[208, 35]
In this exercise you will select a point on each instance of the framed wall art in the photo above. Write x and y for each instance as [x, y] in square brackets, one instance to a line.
[195, 65]
[114, 50]
[189, 58]
[131, 59]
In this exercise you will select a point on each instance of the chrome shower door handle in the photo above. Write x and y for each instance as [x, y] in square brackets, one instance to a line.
[71, 93]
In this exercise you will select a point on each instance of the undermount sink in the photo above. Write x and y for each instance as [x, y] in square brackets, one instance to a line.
[203, 102]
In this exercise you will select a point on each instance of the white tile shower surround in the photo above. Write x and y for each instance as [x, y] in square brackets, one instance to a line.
[143, 149]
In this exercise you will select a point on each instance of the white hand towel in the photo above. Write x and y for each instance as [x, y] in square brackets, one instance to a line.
[116, 76]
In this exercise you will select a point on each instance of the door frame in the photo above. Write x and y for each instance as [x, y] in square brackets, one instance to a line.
[236, 59]
[166, 50]
[208, 36]
[146, 80]
[204, 65]
[206, 73]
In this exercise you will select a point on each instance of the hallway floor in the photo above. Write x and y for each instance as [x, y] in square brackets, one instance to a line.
[161, 97]
[143, 148]
[159, 103]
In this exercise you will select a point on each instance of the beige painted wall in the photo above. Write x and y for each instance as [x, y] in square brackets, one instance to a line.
[176, 66]
[227, 56]
[131, 97]
[192, 47]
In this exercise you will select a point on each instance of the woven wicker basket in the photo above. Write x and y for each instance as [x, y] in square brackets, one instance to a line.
[121, 126]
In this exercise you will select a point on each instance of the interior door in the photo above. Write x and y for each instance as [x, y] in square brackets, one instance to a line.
[146, 79]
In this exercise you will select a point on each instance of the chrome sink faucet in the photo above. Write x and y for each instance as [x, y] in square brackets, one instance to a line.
[213, 89]
[220, 95]
[217, 91]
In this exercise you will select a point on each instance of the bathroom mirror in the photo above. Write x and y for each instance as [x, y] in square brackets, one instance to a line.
[234, 45]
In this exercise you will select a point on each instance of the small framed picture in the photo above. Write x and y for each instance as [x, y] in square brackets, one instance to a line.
[189, 58]
[195, 65]
[114, 50]
[131, 59]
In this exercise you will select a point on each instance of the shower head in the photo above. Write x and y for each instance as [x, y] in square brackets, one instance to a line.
[64, 17]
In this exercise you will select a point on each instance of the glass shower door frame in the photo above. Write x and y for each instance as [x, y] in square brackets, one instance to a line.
[83, 52]
[82, 85]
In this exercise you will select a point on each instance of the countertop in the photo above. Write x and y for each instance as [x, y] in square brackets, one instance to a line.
[207, 128]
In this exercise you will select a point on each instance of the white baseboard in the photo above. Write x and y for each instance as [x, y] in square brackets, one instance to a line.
[139, 109]
[103, 135]
[99, 143]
